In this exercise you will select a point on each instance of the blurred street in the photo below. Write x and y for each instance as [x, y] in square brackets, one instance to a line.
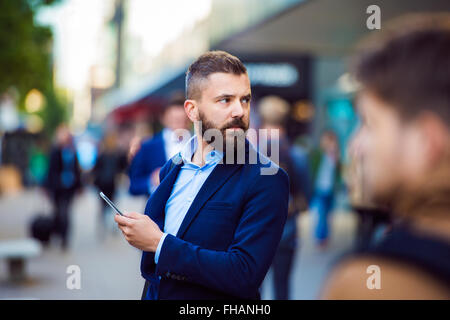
[110, 267]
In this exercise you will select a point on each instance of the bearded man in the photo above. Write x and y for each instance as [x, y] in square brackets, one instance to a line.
[211, 228]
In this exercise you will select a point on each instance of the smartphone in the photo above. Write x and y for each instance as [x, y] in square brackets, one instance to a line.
[111, 204]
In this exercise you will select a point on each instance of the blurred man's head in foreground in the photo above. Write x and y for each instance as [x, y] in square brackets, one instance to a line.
[404, 102]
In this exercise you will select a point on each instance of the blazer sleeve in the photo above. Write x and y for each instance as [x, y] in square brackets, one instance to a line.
[139, 172]
[240, 270]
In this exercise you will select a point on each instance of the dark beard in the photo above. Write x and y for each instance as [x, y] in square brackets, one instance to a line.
[387, 200]
[237, 123]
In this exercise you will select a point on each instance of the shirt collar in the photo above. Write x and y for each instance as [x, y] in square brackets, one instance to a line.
[169, 136]
[189, 149]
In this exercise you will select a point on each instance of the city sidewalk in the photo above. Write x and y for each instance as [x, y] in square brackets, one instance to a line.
[110, 267]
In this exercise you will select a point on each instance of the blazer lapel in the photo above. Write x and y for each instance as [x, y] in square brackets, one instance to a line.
[216, 179]
[157, 202]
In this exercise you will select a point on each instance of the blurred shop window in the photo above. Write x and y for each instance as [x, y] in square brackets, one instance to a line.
[342, 119]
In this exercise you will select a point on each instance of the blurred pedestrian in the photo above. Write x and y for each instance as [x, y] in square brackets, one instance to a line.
[63, 180]
[110, 163]
[147, 160]
[274, 111]
[38, 163]
[326, 171]
[404, 145]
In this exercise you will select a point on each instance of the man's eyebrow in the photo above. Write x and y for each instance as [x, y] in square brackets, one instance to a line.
[225, 95]
[248, 96]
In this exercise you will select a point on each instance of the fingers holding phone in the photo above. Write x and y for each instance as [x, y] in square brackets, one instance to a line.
[139, 230]
[110, 203]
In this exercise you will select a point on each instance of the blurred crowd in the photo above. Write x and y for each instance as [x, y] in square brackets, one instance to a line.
[56, 167]
[30, 160]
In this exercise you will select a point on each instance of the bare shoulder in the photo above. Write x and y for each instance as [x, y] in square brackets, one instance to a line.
[373, 277]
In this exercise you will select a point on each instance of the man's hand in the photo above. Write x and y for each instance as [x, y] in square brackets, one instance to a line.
[139, 230]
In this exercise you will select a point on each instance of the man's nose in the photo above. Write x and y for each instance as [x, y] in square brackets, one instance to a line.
[237, 110]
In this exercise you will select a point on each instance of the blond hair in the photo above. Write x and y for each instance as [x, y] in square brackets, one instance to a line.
[273, 110]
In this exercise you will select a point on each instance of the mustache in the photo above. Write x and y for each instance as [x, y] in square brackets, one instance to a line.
[236, 123]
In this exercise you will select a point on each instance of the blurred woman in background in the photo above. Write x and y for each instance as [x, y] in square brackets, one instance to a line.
[326, 172]
[110, 163]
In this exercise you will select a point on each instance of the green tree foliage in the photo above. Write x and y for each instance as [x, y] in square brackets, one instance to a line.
[26, 57]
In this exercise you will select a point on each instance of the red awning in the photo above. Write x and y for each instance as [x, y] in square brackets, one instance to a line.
[144, 108]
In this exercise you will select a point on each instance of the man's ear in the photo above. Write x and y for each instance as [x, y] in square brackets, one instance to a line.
[191, 108]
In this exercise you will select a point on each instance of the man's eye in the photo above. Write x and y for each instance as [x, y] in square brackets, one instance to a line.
[245, 100]
[224, 100]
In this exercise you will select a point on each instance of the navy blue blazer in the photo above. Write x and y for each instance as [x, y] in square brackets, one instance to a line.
[150, 156]
[228, 238]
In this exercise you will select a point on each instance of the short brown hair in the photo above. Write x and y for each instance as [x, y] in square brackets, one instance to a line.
[209, 63]
[407, 64]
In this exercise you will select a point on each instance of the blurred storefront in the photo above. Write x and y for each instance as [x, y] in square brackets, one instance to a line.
[326, 31]
[295, 49]
[147, 86]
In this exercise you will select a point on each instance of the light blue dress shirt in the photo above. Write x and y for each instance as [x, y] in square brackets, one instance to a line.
[171, 147]
[188, 183]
